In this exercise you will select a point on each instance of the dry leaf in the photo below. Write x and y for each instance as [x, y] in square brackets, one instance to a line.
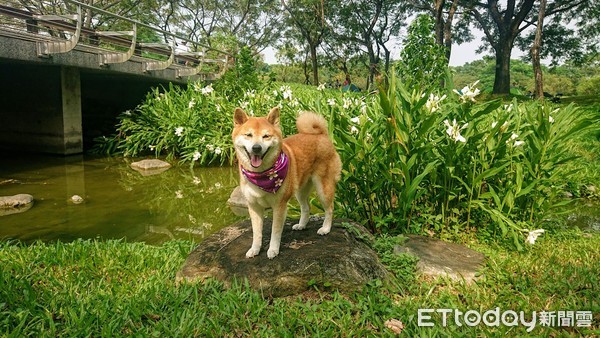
[395, 325]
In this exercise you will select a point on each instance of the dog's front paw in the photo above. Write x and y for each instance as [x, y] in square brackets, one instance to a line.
[298, 227]
[272, 253]
[252, 252]
[323, 231]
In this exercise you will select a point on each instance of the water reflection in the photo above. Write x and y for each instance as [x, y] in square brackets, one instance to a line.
[118, 202]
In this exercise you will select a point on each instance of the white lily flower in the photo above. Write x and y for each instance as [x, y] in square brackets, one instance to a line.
[363, 107]
[179, 131]
[250, 93]
[515, 142]
[218, 150]
[286, 91]
[468, 93]
[321, 87]
[550, 119]
[433, 102]
[191, 104]
[197, 156]
[331, 102]
[210, 147]
[454, 131]
[207, 90]
[533, 235]
[355, 120]
[178, 194]
[354, 130]
[347, 103]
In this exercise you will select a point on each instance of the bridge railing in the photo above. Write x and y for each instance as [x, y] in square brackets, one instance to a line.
[58, 26]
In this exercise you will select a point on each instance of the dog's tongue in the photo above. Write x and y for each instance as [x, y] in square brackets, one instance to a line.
[256, 161]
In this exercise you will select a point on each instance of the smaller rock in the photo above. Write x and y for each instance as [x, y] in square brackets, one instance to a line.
[15, 204]
[237, 202]
[150, 166]
[76, 199]
[439, 258]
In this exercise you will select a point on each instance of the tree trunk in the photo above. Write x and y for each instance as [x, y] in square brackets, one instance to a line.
[438, 7]
[502, 76]
[315, 64]
[305, 67]
[535, 53]
[373, 65]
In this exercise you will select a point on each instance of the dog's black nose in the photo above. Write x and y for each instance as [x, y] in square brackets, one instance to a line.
[257, 149]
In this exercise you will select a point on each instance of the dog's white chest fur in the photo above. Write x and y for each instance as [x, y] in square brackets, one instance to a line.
[255, 195]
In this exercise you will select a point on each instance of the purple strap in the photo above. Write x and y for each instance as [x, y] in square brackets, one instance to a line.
[270, 180]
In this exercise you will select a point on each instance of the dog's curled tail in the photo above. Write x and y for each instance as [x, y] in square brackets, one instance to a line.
[311, 123]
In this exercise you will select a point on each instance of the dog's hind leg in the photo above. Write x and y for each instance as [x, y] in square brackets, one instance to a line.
[279, 213]
[326, 192]
[302, 196]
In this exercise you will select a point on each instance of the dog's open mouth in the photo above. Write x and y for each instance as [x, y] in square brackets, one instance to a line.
[257, 159]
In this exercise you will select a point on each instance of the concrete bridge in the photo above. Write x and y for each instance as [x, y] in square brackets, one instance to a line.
[62, 84]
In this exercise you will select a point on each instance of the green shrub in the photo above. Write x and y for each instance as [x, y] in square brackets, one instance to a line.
[590, 86]
[416, 161]
[423, 62]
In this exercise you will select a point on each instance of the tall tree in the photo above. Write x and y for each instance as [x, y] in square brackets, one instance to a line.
[253, 23]
[308, 16]
[501, 26]
[535, 52]
[450, 26]
[503, 22]
[369, 25]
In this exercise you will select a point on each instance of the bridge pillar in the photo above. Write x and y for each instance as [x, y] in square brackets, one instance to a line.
[40, 109]
[72, 139]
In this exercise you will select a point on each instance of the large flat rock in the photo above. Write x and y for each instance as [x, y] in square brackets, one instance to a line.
[341, 260]
[439, 258]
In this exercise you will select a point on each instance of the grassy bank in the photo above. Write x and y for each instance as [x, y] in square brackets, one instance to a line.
[93, 288]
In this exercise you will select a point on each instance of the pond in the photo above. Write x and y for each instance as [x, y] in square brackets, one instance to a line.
[118, 202]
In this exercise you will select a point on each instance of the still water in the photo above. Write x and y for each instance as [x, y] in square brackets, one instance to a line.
[118, 202]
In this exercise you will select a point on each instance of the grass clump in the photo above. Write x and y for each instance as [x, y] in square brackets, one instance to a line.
[114, 288]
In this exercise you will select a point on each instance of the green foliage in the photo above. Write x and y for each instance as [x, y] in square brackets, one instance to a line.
[422, 62]
[420, 161]
[241, 78]
[566, 79]
[179, 122]
[589, 86]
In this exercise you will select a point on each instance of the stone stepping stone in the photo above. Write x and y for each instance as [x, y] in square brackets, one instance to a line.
[150, 167]
[341, 260]
[439, 258]
[15, 204]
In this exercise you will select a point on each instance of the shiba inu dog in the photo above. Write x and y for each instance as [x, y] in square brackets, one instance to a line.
[273, 169]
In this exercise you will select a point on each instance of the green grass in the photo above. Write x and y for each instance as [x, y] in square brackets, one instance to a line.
[114, 288]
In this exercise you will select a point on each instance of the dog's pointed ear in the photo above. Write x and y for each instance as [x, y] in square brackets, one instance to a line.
[273, 116]
[239, 117]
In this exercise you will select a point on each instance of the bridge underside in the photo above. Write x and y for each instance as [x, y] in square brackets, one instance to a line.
[41, 105]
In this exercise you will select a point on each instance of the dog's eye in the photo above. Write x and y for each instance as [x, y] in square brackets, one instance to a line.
[248, 135]
[266, 136]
